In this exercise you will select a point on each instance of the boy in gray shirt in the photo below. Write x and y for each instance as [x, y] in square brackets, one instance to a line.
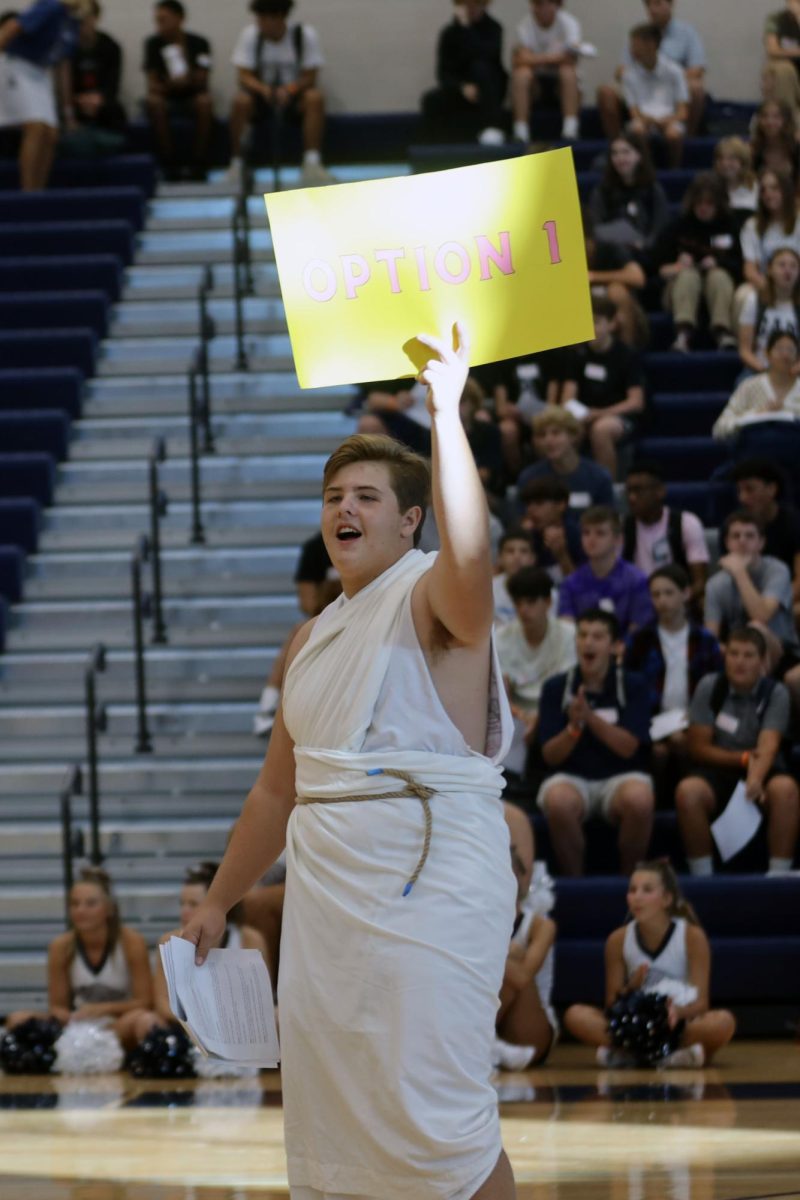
[737, 720]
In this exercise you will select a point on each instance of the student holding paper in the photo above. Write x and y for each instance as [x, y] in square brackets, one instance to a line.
[738, 718]
[385, 754]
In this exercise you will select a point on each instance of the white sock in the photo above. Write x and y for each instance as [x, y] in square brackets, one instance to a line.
[312, 158]
[779, 866]
[521, 131]
[236, 161]
[570, 127]
[701, 866]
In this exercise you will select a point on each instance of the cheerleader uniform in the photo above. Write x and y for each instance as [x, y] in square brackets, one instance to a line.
[544, 976]
[668, 967]
[108, 982]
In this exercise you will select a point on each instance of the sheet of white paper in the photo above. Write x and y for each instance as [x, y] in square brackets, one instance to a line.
[169, 974]
[578, 410]
[664, 724]
[737, 825]
[777, 414]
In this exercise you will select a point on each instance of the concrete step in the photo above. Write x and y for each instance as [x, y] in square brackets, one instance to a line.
[41, 840]
[240, 523]
[120, 746]
[174, 355]
[136, 806]
[205, 621]
[155, 903]
[184, 778]
[232, 392]
[164, 720]
[33, 936]
[117, 438]
[185, 573]
[202, 246]
[155, 283]
[221, 478]
[170, 213]
[180, 318]
[174, 675]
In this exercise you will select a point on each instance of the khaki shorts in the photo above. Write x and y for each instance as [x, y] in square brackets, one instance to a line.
[597, 794]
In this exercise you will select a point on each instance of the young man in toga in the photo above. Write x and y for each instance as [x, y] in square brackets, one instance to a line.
[382, 781]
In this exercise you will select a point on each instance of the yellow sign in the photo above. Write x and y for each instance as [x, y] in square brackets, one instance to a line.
[364, 267]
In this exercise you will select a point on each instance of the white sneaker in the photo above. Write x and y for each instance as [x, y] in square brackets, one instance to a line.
[491, 137]
[315, 175]
[267, 709]
[570, 129]
[687, 1056]
[234, 176]
[511, 1058]
[608, 1056]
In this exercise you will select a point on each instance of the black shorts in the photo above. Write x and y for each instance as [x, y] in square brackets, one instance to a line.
[265, 113]
[723, 781]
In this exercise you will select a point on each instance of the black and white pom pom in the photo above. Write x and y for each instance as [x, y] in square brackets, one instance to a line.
[638, 1023]
[28, 1049]
[162, 1054]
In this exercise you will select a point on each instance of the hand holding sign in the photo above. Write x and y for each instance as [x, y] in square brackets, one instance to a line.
[447, 374]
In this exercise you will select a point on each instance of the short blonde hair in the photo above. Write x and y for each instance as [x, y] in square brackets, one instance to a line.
[409, 473]
[736, 147]
[556, 418]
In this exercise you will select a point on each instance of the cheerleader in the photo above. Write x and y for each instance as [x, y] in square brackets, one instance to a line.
[662, 949]
[99, 968]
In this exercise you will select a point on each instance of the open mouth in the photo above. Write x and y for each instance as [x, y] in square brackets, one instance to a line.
[347, 533]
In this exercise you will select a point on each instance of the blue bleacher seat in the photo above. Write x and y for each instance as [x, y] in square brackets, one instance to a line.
[27, 476]
[686, 458]
[49, 347]
[693, 413]
[694, 497]
[75, 204]
[711, 371]
[45, 429]
[55, 310]
[67, 237]
[3, 622]
[20, 522]
[12, 571]
[123, 170]
[42, 387]
[96, 272]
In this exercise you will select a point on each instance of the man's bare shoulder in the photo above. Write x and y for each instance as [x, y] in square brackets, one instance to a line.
[299, 640]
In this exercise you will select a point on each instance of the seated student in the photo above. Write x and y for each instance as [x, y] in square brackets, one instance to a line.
[776, 307]
[781, 78]
[656, 534]
[699, 257]
[514, 552]
[605, 580]
[31, 44]
[396, 408]
[471, 78]
[655, 92]
[753, 588]
[762, 414]
[662, 948]
[672, 653]
[738, 719]
[93, 78]
[99, 968]
[484, 439]
[521, 388]
[682, 44]
[593, 731]
[629, 207]
[556, 434]
[278, 64]
[734, 165]
[532, 647]
[605, 377]
[177, 65]
[760, 490]
[615, 275]
[544, 65]
[556, 532]
[773, 141]
[774, 225]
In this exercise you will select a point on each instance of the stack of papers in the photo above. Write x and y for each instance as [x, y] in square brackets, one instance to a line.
[737, 825]
[225, 1005]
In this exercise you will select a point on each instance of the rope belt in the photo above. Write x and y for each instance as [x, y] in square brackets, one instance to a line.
[412, 788]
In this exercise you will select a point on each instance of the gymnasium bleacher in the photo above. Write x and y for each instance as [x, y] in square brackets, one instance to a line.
[68, 257]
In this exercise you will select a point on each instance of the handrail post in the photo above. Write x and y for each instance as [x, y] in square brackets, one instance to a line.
[198, 536]
[143, 743]
[158, 506]
[247, 251]
[95, 720]
[65, 805]
[238, 256]
[207, 332]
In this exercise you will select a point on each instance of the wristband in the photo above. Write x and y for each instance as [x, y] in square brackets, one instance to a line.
[574, 731]
[744, 761]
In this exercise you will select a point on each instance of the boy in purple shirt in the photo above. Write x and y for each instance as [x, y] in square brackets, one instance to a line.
[605, 580]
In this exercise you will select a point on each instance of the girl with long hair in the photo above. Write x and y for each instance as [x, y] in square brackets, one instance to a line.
[629, 207]
[774, 140]
[774, 225]
[778, 307]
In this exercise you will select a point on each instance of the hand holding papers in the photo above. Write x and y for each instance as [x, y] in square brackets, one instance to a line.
[225, 1005]
[664, 724]
[737, 825]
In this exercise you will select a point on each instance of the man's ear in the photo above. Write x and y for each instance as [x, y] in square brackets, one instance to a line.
[411, 520]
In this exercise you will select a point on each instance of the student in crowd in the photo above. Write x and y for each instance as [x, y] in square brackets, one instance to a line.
[93, 78]
[177, 65]
[99, 968]
[773, 143]
[605, 377]
[605, 580]
[278, 64]
[556, 532]
[655, 92]
[699, 258]
[629, 207]
[754, 421]
[615, 274]
[738, 719]
[32, 43]
[662, 948]
[760, 490]
[774, 225]
[656, 534]
[520, 388]
[471, 79]
[672, 653]
[777, 307]
[733, 163]
[594, 731]
[556, 435]
[781, 80]
[532, 647]
[514, 552]
[545, 67]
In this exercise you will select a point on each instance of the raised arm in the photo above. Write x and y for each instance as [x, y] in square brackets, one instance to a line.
[458, 588]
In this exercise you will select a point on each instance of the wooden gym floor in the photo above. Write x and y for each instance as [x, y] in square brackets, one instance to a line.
[730, 1132]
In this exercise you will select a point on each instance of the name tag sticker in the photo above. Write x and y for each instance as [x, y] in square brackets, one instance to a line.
[595, 371]
[723, 241]
[528, 371]
[579, 500]
[607, 604]
[726, 722]
[609, 715]
[661, 552]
